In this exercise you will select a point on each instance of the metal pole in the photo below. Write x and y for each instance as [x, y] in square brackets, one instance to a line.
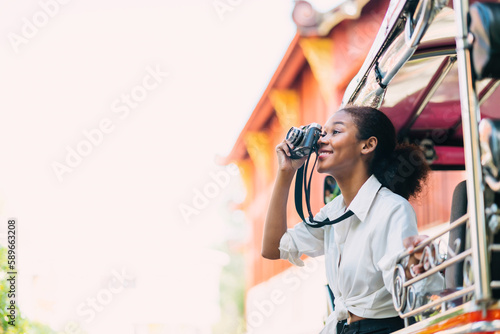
[475, 188]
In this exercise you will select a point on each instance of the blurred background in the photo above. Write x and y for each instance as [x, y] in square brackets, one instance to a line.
[113, 115]
[137, 142]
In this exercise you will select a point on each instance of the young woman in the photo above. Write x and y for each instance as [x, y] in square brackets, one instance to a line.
[376, 177]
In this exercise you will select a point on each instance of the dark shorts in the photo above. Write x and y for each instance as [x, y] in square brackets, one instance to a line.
[378, 326]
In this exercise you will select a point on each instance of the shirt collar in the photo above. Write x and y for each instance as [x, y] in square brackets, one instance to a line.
[364, 198]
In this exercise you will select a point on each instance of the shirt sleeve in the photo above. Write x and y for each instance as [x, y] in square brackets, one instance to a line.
[402, 223]
[302, 239]
[388, 239]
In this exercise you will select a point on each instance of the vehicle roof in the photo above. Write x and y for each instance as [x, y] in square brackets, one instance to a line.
[422, 99]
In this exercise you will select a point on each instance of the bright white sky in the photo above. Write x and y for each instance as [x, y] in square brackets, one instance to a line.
[119, 207]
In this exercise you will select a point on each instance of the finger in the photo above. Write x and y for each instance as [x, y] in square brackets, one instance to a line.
[418, 269]
[411, 242]
[419, 239]
[408, 243]
[418, 256]
[411, 270]
[284, 148]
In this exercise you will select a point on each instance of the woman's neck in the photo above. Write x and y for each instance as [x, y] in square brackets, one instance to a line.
[350, 184]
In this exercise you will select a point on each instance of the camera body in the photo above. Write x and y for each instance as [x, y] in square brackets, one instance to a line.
[304, 139]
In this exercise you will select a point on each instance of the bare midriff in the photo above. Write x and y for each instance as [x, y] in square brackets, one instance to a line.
[353, 318]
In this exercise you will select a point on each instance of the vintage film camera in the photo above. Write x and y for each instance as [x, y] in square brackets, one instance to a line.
[304, 139]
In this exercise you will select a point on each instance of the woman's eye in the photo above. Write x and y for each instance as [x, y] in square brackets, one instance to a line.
[335, 132]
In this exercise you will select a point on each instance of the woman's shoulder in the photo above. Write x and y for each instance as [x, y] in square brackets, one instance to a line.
[390, 198]
[394, 212]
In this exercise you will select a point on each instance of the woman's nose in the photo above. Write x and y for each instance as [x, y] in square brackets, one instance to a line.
[322, 139]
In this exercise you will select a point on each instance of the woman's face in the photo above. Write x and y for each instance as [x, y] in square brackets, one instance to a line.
[339, 149]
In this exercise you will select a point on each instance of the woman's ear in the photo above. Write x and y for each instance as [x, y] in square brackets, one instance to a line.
[369, 145]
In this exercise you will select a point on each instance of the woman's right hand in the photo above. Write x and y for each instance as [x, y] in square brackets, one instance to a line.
[285, 162]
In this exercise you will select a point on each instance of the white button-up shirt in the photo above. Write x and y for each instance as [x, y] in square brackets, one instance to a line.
[360, 252]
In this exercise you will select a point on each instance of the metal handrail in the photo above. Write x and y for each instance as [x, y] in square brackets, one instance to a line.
[439, 301]
[414, 35]
[494, 248]
[427, 241]
[438, 268]
[403, 287]
[470, 122]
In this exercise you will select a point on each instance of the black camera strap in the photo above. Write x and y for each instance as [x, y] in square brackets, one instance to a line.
[301, 181]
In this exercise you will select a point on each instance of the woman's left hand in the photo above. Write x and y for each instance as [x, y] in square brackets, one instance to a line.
[414, 262]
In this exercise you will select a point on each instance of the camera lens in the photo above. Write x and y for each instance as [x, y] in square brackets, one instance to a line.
[315, 125]
[295, 135]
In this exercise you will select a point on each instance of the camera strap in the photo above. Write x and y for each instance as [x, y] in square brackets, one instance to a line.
[301, 181]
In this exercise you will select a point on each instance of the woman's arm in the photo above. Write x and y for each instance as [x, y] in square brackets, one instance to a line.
[402, 234]
[276, 222]
[275, 225]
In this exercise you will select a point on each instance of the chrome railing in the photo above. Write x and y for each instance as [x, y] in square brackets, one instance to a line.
[434, 261]
[405, 29]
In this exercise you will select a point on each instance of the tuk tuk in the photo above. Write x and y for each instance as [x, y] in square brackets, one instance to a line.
[434, 69]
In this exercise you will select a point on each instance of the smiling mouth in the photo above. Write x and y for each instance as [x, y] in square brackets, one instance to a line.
[324, 154]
